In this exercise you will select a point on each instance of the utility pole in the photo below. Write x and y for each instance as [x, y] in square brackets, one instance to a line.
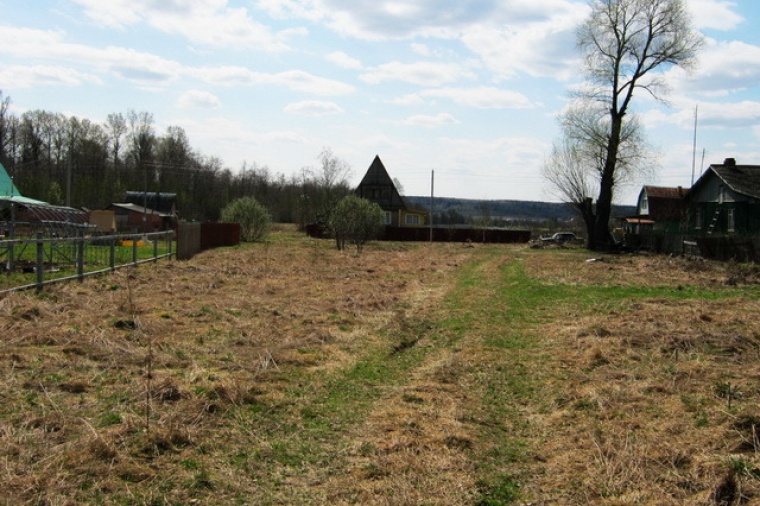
[68, 179]
[432, 192]
[694, 148]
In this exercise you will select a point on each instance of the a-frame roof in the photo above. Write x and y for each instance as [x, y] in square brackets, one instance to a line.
[377, 186]
[376, 174]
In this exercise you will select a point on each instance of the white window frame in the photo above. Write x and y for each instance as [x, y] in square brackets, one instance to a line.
[388, 217]
[731, 220]
[412, 219]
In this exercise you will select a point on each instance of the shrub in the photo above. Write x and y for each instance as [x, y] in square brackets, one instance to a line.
[253, 218]
[356, 220]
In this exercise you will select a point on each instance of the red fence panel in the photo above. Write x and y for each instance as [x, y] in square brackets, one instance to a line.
[217, 235]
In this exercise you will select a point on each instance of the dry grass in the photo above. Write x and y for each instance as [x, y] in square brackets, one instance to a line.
[135, 387]
[655, 399]
[291, 373]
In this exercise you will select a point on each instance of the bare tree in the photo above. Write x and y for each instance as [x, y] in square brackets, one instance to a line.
[625, 43]
[116, 127]
[575, 166]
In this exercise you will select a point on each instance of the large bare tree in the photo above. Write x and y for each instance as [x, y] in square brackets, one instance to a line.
[576, 164]
[626, 44]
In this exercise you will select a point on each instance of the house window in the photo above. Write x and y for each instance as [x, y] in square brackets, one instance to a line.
[698, 219]
[731, 220]
[412, 219]
[388, 217]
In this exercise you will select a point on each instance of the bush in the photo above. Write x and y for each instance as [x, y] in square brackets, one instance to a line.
[356, 220]
[253, 218]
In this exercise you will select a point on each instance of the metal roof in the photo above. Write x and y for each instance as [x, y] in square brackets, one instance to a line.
[140, 209]
[7, 188]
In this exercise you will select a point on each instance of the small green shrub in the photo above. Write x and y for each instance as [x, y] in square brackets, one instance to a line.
[255, 221]
[356, 220]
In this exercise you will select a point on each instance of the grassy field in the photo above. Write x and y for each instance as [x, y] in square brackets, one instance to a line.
[286, 372]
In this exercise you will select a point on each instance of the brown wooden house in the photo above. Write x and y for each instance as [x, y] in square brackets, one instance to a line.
[378, 187]
[659, 208]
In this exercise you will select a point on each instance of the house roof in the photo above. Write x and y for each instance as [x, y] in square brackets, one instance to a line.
[7, 188]
[663, 192]
[160, 201]
[138, 209]
[377, 176]
[743, 179]
[663, 203]
[9, 192]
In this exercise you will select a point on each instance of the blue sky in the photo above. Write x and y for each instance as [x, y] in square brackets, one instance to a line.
[468, 88]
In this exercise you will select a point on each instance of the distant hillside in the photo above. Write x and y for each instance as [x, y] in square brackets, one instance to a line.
[515, 210]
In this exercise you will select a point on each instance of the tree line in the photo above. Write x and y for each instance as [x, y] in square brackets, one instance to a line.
[65, 160]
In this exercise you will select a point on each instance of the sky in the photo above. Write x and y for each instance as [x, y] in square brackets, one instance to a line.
[467, 89]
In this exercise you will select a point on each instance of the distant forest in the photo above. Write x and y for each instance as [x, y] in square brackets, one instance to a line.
[65, 160]
[503, 212]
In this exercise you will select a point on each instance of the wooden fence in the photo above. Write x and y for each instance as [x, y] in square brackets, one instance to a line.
[192, 238]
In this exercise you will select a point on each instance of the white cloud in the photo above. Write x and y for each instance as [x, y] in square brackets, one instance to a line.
[296, 80]
[715, 14]
[384, 20]
[21, 76]
[420, 73]
[421, 49]
[406, 100]
[540, 49]
[136, 66]
[314, 108]
[739, 115]
[422, 120]
[196, 99]
[208, 22]
[482, 97]
[724, 67]
[343, 60]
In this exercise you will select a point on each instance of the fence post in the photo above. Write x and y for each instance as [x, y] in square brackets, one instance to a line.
[40, 262]
[155, 248]
[134, 250]
[11, 251]
[80, 258]
[112, 259]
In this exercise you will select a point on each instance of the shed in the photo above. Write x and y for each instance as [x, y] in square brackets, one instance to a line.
[135, 218]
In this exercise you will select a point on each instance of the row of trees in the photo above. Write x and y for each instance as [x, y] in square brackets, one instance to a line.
[76, 162]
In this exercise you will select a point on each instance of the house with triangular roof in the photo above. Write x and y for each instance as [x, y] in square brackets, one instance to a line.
[725, 200]
[658, 208]
[377, 186]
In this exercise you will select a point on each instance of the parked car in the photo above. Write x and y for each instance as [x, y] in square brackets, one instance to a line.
[561, 238]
